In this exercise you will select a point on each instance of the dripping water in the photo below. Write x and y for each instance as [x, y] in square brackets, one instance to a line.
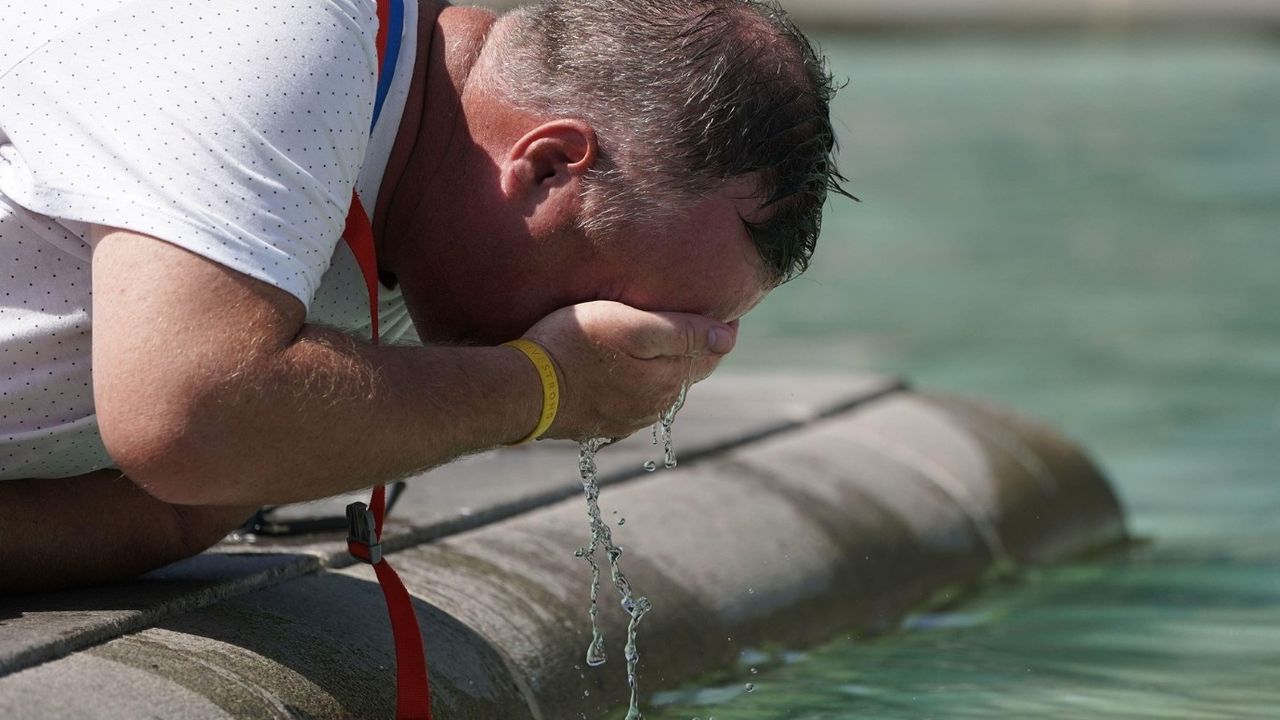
[663, 428]
[602, 537]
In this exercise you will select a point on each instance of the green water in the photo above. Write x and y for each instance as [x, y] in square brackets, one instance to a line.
[1087, 229]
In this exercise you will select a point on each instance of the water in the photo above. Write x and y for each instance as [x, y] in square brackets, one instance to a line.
[601, 536]
[662, 430]
[1087, 229]
[635, 607]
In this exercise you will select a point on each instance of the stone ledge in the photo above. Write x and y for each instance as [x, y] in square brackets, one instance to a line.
[723, 412]
[845, 521]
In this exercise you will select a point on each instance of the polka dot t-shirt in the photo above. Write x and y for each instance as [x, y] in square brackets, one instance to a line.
[234, 129]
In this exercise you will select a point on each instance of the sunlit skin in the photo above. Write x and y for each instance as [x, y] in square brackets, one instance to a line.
[490, 246]
[478, 222]
[701, 262]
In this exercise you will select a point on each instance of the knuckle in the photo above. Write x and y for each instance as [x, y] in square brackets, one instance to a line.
[691, 343]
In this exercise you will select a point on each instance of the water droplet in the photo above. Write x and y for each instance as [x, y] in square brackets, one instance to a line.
[751, 591]
[754, 671]
[650, 466]
[595, 656]
[750, 687]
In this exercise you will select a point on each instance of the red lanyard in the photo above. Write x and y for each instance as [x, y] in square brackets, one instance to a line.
[364, 536]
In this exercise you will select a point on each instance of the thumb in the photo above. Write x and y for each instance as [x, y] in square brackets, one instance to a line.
[680, 334]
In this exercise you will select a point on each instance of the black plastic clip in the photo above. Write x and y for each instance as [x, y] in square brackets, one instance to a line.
[362, 542]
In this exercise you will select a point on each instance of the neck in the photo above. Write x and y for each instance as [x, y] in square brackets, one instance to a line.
[432, 130]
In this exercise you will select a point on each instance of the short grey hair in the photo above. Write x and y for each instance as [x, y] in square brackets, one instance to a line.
[685, 95]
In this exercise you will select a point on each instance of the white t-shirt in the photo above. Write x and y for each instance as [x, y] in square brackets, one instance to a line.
[234, 129]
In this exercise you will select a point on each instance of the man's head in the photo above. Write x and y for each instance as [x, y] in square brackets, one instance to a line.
[636, 146]
[684, 96]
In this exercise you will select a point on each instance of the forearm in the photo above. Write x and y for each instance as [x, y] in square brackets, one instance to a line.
[210, 388]
[329, 414]
[96, 528]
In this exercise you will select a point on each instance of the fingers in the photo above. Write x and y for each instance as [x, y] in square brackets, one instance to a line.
[622, 367]
[703, 366]
[661, 334]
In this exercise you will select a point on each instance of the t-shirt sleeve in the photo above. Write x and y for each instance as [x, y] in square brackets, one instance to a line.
[234, 129]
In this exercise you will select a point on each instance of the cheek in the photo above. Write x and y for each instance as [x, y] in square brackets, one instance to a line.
[722, 295]
[729, 290]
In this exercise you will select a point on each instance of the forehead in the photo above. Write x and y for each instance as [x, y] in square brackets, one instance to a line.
[703, 260]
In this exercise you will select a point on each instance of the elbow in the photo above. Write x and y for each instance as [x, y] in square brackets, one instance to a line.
[160, 450]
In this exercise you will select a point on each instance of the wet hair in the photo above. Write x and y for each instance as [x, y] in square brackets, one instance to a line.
[685, 96]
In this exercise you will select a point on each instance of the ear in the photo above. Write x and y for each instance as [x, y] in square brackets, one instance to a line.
[547, 164]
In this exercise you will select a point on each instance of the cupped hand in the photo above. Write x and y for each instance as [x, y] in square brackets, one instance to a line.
[620, 367]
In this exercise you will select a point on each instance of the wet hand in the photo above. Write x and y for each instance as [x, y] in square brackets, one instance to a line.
[620, 368]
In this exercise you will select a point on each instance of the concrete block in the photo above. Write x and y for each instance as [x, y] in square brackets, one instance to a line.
[856, 507]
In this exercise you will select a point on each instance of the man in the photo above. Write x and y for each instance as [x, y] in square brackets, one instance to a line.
[619, 182]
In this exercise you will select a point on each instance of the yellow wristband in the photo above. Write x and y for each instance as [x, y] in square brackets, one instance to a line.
[550, 385]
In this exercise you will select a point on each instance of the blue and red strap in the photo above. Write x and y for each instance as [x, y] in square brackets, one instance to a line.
[387, 42]
[413, 691]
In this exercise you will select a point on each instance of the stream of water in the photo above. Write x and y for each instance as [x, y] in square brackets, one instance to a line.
[602, 537]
